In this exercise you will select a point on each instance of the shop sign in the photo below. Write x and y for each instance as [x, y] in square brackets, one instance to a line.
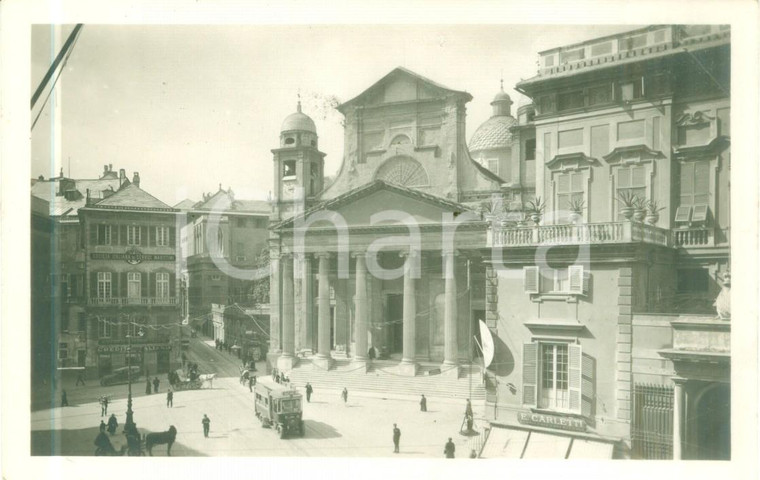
[552, 421]
[135, 348]
[133, 256]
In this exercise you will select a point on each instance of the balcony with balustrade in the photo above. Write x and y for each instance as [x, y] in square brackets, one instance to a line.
[579, 234]
[132, 301]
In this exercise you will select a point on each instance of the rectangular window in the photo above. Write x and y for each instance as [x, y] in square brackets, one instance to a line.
[493, 165]
[63, 351]
[530, 149]
[568, 100]
[571, 56]
[162, 285]
[570, 189]
[162, 236]
[104, 234]
[549, 61]
[546, 104]
[599, 94]
[104, 285]
[554, 377]
[529, 177]
[81, 322]
[695, 183]
[133, 235]
[65, 285]
[104, 328]
[632, 179]
[134, 284]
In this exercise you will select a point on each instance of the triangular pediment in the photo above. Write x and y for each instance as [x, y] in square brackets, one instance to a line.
[359, 205]
[401, 85]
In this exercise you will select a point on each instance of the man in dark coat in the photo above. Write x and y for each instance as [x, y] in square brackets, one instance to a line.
[156, 381]
[112, 424]
[104, 406]
[170, 398]
[64, 399]
[423, 403]
[206, 425]
[396, 438]
[147, 386]
[80, 379]
[344, 395]
[449, 449]
[251, 380]
[308, 391]
[102, 426]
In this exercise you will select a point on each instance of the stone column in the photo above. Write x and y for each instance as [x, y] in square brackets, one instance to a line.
[307, 308]
[361, 312]
[323, 358]
[408, 366]
[274, 311]
[450, 348]
[287, 360]
[679, 412]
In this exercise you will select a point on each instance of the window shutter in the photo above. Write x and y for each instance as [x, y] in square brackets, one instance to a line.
[151, 284]
[586, 281]
[638, 176]
[143, 236]
[115, 282]
[574, 377]
[123, 234]
[530, 374]
[624, 178]
[143, 284]
[152, 235]
[530, 279]
[93, 234]
[563, 183]
[588, 391]
[172, 237]
[683, 213]
[575, 278]
[172, 282]
[93, 284]
[123, 283]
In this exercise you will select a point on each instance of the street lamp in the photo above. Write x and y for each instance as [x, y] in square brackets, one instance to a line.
[129, 425]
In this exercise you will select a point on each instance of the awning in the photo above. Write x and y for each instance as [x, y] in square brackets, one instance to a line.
[505, 442]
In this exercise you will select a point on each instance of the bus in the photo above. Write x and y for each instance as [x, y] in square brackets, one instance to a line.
[280, 408]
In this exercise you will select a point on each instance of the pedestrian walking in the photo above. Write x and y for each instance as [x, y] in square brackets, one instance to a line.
[344, 394]
[449, 449]
[396, 438]
[309, 389]
[206, 425]
[64, 399]
[170, 398]
[112, 424]
[102, 426]
[147, 386]
[468, 408]
[80, 379]
[103, 406]
[423, 403]
[156, 381]
[250, 384]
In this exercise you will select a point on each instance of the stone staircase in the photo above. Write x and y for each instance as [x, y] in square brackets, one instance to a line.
[382, 377]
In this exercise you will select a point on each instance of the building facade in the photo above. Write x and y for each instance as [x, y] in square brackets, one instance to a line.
[602, 307]
[131, 308]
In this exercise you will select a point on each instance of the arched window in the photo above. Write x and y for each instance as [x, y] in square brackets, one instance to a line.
[404, 171]
[401, 139]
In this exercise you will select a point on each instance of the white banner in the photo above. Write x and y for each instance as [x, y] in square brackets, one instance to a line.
[487, 344]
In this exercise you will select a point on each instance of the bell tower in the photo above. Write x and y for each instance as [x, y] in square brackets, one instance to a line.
[298, 165]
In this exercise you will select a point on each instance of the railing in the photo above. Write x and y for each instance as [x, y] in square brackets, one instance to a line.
[578, 234]
[116, 301]
[697, 237]
[652, 428]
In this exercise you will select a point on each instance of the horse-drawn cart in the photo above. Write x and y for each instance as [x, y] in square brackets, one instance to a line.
[180, 381]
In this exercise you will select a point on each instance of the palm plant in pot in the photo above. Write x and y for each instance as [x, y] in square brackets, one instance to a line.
[535, 209]
[628, 201]
[576, 209]
[639, 209]
[653, 212]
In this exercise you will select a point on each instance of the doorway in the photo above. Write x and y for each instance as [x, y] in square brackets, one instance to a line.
[81, 357]
[713, 423]
[162, 361]
[394, 319]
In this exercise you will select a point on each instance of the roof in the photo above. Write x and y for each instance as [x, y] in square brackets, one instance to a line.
[493, 133]
[242, 206]
[370, 188]
[132, 197]
[185, 204]
[61, 206]
[406, 72]
[298, 121]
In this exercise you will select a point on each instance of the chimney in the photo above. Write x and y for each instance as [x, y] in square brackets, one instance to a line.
[122, 176]
[136, 179]
[110, 167]
[105, 170]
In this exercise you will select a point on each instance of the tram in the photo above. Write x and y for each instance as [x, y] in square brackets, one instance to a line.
[280, 408]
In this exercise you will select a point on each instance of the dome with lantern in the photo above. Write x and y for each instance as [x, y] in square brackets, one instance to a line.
[298, 121]
[494, 133]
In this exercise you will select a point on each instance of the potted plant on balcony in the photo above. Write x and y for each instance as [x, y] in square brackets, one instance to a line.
[628, 201]
[576, 209]
[639, 209]
[535, 209]
[653, 212]
[491, 211]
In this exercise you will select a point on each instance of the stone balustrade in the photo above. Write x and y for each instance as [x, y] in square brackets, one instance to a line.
[578, 234]
[117, 301]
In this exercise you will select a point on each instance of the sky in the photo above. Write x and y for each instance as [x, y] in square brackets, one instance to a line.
[193, 107]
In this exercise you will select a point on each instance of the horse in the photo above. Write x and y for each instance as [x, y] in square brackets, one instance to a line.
[161, 438]
[208, 377]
